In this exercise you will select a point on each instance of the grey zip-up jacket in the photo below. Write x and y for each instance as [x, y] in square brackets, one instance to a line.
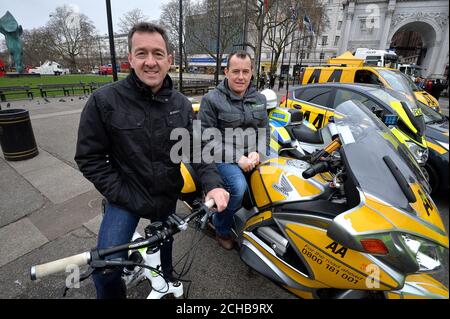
[242, 123]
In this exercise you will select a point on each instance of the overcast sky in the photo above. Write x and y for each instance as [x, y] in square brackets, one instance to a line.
[35, 13]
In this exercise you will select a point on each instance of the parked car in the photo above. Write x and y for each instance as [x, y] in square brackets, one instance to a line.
[50, 67]
[317, 101]
[437, 136]
[349, 69]
[105, 69]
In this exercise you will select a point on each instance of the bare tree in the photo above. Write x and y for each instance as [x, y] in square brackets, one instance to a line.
[130, 18]
[170, 20]
[202, 24]
[284, 26]
[69, 30]
[35, 47]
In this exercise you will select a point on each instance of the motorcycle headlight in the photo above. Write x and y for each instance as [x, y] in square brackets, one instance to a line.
[419, 153]
[428, 255]
[443, 144]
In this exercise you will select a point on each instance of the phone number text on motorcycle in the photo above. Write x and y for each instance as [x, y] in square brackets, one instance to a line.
[317, 257]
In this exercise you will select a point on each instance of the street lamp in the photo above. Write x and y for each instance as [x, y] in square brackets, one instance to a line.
[218, 60]
[111, 40]
[180, 48]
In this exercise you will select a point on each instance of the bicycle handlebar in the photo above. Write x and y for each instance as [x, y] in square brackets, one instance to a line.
[59, 265]
[85, 258]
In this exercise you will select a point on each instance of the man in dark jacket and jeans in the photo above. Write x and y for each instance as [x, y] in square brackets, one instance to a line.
[124, 148]
[235, 106]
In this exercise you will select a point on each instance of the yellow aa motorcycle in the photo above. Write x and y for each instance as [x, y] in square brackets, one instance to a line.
[354, 220]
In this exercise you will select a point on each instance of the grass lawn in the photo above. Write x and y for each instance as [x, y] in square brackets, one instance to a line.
[33, 82]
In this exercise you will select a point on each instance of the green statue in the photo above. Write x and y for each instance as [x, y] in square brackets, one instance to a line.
[12, 31]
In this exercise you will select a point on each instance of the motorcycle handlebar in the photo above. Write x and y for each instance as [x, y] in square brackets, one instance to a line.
[315, 169]
[60, 265]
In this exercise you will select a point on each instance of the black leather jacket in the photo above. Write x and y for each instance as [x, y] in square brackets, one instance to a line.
[124, 145]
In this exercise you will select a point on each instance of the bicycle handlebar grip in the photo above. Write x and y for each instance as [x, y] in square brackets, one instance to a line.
[210, 203]
[59, 265]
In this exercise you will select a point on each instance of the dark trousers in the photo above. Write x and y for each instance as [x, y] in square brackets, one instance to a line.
[117, 227]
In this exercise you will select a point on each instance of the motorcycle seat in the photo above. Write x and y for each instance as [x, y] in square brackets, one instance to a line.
[302, 133]
[319, 207]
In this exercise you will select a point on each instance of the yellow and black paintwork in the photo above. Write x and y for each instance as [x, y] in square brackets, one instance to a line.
[328, 263]
[279, 180]
[420, 286]
[189, 184]
[332, 265]
[316, 115]
[343, 69]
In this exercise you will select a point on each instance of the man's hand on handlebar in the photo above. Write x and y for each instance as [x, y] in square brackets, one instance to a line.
[220, 197]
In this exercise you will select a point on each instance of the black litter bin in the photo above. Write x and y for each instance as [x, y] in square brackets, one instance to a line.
[16, 135]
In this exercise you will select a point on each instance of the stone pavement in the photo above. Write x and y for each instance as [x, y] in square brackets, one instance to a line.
[49, 211]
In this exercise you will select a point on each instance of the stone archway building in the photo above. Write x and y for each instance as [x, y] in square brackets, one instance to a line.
[373, 24]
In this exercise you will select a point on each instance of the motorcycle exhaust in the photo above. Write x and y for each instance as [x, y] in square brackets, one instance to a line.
[275, 240]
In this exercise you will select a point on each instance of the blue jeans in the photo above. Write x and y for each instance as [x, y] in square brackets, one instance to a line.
[236, 185]
[117, 227]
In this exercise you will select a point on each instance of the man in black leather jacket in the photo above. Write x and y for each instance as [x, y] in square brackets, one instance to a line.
[124, 148]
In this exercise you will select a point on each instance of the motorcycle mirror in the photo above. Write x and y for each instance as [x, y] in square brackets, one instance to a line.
[378, 112]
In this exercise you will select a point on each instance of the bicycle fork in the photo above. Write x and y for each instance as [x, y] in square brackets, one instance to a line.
[160, 286]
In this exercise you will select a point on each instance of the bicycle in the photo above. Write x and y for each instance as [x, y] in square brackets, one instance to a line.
[144, 258]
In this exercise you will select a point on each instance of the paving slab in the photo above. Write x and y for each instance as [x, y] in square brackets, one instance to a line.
[55, 179]
[15, 276]
[61, 219]
[17, 197]
[231, 280]
[42, 160]
[19, 238]
[57, 134]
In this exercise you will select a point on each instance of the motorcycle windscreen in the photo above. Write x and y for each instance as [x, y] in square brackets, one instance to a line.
[388, 176]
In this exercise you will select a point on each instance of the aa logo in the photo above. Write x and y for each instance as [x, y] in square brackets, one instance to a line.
[426, 202]
[334, 247]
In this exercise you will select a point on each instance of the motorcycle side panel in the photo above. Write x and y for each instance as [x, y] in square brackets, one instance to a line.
[420, 286]
[280, 180]
[188, 180]
[262, 254]
[336, 265]
[426, 208]
[429, 226]
[259, 192]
